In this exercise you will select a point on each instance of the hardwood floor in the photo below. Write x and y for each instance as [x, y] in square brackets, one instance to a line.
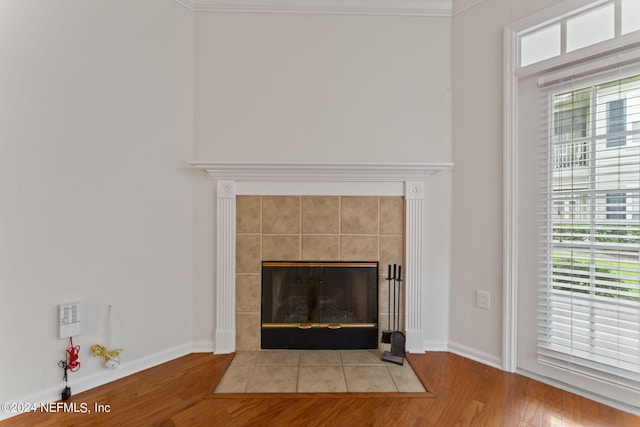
[462, 393]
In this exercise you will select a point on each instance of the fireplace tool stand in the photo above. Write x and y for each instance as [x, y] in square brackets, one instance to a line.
[395, 337]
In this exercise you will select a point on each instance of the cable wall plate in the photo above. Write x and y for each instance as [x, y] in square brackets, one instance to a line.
[68, 320]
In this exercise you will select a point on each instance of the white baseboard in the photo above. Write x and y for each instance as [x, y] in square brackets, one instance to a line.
[52, 394]
[475, 355]
[203, 346]
[435, 346]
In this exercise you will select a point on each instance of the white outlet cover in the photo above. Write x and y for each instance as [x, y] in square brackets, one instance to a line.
[483, 299]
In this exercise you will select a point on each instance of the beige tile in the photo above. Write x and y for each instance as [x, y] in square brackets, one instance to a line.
[319, 371]
[383, 296]
[248, 214]
[359, 215]
[391, 251]
[248, 331]
[245, 358]
[321, 379]
[320, 357]
[281, 248]
[248, 254]
[235, 380]
[248, 293]
[392, 215]
[273, 379]
[368, 379]
[361, 357]
[405, 379]
[359, 248]
[281, 214]
[320, 214]
[386, 297]
[384, 325]
[320, 248]
[279, 357]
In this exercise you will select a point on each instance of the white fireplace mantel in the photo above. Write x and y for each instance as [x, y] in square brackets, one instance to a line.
[309, 179]
[349, 172]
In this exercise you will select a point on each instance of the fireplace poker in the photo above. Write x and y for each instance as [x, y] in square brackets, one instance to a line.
[386, 335]
[397, 308]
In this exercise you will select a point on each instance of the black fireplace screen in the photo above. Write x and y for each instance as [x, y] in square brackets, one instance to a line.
[318, 297]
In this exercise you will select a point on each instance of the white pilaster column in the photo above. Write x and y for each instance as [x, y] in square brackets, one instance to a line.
[226, 268]
[414, 218]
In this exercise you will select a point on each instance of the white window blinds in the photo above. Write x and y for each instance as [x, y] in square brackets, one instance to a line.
[589, 281]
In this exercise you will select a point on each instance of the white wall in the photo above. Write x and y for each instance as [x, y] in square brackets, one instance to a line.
[290, 87]
[96, 202]
[477, 80]
[97, 107]
[326, 88]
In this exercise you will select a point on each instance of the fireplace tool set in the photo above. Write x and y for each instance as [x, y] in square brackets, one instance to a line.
[394, 336]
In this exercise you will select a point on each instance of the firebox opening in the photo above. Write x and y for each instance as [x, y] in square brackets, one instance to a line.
[319, 305]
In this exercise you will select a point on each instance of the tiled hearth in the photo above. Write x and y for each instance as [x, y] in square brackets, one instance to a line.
[316, 371]
[311, 228]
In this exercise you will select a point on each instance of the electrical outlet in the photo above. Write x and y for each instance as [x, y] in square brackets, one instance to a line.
[483, 299]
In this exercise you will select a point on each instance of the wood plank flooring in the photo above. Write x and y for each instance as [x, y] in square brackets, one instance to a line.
[462, 393]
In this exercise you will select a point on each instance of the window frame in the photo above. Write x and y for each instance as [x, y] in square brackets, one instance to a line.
[622, 49]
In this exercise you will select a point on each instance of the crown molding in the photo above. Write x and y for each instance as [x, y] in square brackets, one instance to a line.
[341, 7]
[186, 3]
[460, 6]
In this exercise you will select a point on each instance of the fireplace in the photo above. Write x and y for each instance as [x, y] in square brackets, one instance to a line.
[234, 179]
[319, 305]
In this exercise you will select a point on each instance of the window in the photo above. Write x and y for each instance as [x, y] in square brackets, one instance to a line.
[540, 45]
[590, 27]
[572, 143]
[578, 30]
[590, 263]
[616, 116]
[616, 202]
[630, 16]
[571, 117]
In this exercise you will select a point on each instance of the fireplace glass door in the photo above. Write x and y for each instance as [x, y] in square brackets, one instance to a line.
[319, 305]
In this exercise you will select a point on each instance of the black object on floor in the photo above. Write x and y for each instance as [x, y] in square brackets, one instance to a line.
[396, 355]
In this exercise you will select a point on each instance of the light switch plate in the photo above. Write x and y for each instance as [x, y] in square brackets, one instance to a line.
[68, 320]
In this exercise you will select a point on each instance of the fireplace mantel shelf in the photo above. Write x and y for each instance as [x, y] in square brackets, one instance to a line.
[327, 172]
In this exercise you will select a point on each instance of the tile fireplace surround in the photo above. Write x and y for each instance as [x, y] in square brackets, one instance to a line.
[311, 228]
[288, 187]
